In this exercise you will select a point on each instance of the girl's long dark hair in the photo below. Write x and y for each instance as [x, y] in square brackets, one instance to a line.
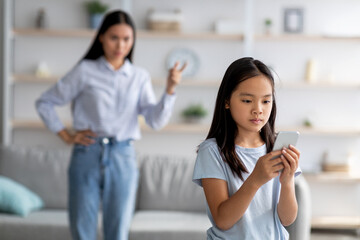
[110, 19]
[223, 127]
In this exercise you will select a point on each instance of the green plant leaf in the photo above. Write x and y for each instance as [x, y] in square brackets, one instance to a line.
[94, 7]
[195, 110]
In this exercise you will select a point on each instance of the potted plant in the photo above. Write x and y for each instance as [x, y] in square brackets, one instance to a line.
[268, 24]
[194, 112]
[96, 10]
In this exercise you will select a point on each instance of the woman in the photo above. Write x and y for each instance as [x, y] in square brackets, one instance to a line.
[107, 93]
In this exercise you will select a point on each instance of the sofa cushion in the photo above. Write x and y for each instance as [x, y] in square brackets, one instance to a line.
[41, 225]
[42, 170]
[16, 198]
[165, 184]
[169, 225]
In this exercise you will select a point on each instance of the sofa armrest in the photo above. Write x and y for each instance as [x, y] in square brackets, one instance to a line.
[301, 228]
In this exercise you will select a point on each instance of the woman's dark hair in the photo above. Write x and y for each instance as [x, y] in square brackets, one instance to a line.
[223, 127]
[110, 19]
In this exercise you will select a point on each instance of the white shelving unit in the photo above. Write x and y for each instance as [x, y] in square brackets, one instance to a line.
[338, 221]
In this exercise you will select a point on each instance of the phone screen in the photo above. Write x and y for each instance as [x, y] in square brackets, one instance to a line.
[285, 138]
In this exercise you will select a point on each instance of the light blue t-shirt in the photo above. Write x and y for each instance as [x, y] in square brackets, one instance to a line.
[260, 220]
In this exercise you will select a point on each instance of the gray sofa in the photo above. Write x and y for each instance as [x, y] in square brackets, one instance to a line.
[169, 205]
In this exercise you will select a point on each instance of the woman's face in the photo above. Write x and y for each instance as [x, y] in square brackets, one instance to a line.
[251, 103]
[117, 42]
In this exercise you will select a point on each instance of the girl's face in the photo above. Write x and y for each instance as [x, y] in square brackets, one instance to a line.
[251, 103]
[117, 42]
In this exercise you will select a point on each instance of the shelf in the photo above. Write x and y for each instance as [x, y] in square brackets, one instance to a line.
[190, 83]
[181, 128]
[336, 222]
[202, 128]
[146, 34]
[30, 78]
[304, 37]
[32, 124]
[170, 128]
[180, 35]
[189, 35]
[332, 177]
[322, 131]
[54, 32]
[317, 85]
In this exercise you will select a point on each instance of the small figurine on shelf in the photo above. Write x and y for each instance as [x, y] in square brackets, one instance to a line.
[311, 74]
[41, 19]
[267, 24]
[193, 113]
[43, 70]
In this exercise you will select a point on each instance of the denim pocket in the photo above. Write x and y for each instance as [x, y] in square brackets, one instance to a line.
[80, 148]
[83, 158]
[123, 155]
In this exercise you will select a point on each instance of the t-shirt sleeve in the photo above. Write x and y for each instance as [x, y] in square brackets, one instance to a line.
[298, 171]
[209, 164]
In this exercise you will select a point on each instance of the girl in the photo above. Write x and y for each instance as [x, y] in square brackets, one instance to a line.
[249, 194]
[107, 93]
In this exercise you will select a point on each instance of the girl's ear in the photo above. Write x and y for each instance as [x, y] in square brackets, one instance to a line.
[227, 105]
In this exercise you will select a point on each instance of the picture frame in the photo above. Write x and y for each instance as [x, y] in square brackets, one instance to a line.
[293, 20]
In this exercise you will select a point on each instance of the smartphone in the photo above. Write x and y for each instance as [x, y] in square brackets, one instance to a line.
[284, 139]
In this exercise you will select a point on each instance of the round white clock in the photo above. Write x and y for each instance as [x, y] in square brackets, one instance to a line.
[183, 55]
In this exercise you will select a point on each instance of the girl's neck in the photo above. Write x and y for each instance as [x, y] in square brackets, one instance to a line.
[249, 140]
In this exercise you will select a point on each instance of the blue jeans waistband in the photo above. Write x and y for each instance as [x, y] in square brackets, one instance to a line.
[111, 140]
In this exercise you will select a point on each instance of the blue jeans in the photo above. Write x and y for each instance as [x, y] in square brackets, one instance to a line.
[103, 173]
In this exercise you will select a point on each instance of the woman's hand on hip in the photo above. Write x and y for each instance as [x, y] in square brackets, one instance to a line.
[174, 77]
[80, 137]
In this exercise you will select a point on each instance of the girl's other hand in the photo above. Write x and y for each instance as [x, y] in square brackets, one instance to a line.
[267, 168]
[290, 159]
[174, 77]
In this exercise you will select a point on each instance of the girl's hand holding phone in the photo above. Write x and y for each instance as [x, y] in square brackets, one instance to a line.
[290, 160]
[267, 168]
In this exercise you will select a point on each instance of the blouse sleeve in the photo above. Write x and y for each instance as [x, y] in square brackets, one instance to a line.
[209, 164]
[158, 114]
[63, 92]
